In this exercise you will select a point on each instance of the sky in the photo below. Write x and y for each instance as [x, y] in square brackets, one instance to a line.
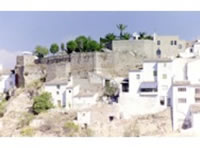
[22, 31]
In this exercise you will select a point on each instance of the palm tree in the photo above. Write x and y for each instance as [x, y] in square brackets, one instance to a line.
[110, 37]
[142, 35]
[121, 28]
[126, 36]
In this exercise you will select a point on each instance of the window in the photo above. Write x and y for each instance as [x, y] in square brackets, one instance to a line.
[180, 46]
[158, 42]
[197, 91]
[182, 100]
[197, 100]
[182, 89]
[162, 100]
[69, 91]
[138, 76]
[125, 87]
[191, 50]
[172, 43]
[107, 82]
[175, 42]
[58, 86]
[154, 73]
[168, 102]
[158, 53]
[57, 92]
[164, 76]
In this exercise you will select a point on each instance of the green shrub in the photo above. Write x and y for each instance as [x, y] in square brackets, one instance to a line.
[42, 103]
[3, 104]
[70, 128]
[28, 132]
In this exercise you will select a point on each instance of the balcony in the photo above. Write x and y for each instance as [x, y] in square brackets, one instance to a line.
[148, 89]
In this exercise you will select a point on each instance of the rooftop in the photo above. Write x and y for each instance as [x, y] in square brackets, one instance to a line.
[57, 82]
[158, 60]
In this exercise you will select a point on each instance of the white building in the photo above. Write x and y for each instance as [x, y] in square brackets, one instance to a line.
[186, 96]
[67, 94]
[7, 80]
[192, 51]
[147, 90]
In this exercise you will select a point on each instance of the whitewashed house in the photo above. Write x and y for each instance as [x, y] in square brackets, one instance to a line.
[186, 96]
[192, 51]
[147, 90]
[70, 95]
[7, 80]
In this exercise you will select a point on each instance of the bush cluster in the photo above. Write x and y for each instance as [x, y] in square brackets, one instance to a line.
[42, 103]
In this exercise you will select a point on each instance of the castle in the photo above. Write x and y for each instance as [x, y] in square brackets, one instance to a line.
[124, 56]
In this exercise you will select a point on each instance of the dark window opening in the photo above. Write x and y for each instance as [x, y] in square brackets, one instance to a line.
[107, 82]
[197, 100]
[158, 53]
[111, 118]
[58, 86]
[175, 42]
[172, 43]
[154, 73]
[168, 102]
[182, 100]
[125, 87]
[182, 89]
[158, 42]
[197, 91]
[191, 50]
[148, 90]
[162, 102]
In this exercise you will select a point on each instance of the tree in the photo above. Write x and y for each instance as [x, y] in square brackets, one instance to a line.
[149, 37]
[121, 28]
[54, 48]
[42, 103]
[40, 51]
[71, 46]
[93, 46]
[110, 37]
[107, 39]
[81, 42]
[126, 36]
[142, 35]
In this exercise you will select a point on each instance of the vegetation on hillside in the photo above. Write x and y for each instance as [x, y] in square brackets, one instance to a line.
[42, 103]
[3, 104]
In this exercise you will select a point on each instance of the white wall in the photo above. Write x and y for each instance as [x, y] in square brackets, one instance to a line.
[3, 80]
[180, 110]
[134, 83]
[179, 69]
[57, 96]
[192, 71]
[164, 84]
[148, 69]
[84, 102]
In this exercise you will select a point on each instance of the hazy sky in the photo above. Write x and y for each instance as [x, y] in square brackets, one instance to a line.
[22, 31]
